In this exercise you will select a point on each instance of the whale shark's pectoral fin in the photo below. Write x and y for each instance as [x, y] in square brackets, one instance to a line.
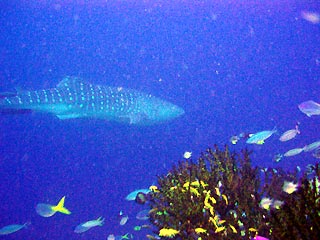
[69, 116]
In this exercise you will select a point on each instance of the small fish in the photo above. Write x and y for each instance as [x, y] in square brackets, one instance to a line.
[83, 227]
[277, 204]
[137, 228]
[310, 108]
[316, 153]
[277, 157]
[310, 169]
[259, 137]
[234, 139]
[152, 237]
[12, 228]
[125, 236]
[93, 223]
[289, 187]
[290, 134]
[143, 215]
[187, 155]
[132, 196]
[312, 17]
[47, 210]
[111, 237]
[312, 146]
[265, 203]
[293, 152]
[141, 198]
[124, 219]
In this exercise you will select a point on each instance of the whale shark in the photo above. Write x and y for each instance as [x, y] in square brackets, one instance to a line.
[75, 98]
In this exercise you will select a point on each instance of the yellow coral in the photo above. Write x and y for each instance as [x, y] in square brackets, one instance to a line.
[168, 232]
[194, 191]
[207, 205]
[173, 188]
[186, 184]
[221, 222]
[220, 229]
[225, 198]
[253, 230]
[234, 230]
[200, 230]
[218, 191]
[211, 210]
[153, 188]
[198, 183]
[195, 183]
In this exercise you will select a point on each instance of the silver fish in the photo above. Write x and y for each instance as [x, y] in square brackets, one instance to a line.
[310, 108]
[293, 152]
[312, 146]
[290, 134]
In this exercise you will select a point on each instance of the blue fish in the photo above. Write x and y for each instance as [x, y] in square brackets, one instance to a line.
[12, 228]
[74, 98]
[259, 137]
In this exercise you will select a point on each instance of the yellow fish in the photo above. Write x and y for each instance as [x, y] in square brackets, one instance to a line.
[47, 210]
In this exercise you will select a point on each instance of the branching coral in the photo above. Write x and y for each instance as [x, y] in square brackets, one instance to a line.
[299, 216]
[221, 197]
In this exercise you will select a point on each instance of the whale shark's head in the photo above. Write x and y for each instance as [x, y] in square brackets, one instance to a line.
[157, 110]
[169, 111]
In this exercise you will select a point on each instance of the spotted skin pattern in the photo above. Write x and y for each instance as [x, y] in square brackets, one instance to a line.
[74, 98]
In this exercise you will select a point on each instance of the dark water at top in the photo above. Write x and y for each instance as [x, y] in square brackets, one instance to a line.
[232, 67]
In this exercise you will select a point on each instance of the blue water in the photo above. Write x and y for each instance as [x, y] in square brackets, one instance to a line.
[234, 67]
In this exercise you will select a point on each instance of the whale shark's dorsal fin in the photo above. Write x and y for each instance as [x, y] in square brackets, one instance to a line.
[70, 82]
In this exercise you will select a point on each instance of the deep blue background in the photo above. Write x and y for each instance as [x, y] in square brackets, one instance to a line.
[233, 68]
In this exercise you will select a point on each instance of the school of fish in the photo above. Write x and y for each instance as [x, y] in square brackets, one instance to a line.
[48, 210]
[309, 108]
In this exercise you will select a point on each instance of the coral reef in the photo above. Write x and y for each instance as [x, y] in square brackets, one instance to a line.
[299, 216]
[222, 196]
